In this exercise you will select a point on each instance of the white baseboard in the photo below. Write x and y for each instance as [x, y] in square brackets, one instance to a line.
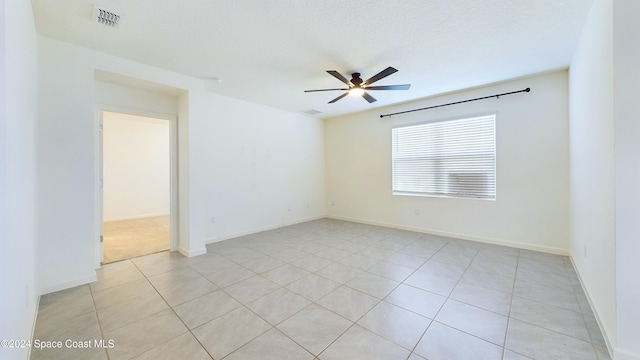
[619, 354]
[191, 253]
[136, 217]
[493, 241]
[33, 325]
[607, 338]
[616, 353]
[69, 284]
[264, 228]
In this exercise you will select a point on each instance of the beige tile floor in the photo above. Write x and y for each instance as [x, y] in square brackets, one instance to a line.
[329, 289]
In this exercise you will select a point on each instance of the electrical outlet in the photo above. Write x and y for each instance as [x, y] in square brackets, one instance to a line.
[416, 211]
[288, 207]
[212, 220]
[333, 203]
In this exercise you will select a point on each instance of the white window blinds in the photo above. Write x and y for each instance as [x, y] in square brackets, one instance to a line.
[455, 158]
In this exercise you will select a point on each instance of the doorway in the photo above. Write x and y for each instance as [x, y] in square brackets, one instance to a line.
[136, 185]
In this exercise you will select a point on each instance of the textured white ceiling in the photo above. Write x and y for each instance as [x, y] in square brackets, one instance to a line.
[270, 51]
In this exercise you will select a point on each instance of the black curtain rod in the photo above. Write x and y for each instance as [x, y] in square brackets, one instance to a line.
[458, 102]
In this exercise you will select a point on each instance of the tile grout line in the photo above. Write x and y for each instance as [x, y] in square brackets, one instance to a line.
[550, 305]
[290, 316]
[98, 319]
[172, 310]
[513, 289]
[287, 239]
[448, 297]
[433, 319]
[247, 308]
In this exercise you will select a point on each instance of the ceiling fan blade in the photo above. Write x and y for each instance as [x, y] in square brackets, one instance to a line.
[368, 97]
[338, 98]
[382, 74]
[390, 87]
[339, 76]
[343, 89]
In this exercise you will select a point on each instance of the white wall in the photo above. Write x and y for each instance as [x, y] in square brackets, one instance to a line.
[605, 170]
[252, 167]
[67, 133]
[136, 166]
[531, 209]
[18, 193]
[134, 100]
[68, 165]
[592, 164]
[184, 194]
[626, 48]
[212, 130]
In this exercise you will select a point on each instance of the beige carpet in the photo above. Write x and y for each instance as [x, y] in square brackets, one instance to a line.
[127, 239]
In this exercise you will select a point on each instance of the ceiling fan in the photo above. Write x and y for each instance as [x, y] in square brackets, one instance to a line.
[357, 87]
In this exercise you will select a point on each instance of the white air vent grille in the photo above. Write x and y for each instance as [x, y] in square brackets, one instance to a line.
[104, 16]
[313, 112]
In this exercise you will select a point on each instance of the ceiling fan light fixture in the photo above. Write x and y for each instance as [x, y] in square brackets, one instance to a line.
[356, 91]
[357, 87]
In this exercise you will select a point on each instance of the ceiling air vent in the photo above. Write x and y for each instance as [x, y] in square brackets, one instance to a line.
[104, 16]
[313, 112]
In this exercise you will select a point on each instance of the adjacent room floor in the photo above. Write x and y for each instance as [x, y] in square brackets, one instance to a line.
[127, 239]
[328, 289]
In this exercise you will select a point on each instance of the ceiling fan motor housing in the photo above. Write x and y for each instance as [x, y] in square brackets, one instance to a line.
[356, 80]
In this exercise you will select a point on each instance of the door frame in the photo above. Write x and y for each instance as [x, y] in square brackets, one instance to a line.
[100, 109]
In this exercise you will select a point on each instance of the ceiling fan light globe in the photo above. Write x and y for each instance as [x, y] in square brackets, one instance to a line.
[356, 92]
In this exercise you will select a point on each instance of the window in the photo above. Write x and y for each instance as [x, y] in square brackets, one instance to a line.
[455, 158]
